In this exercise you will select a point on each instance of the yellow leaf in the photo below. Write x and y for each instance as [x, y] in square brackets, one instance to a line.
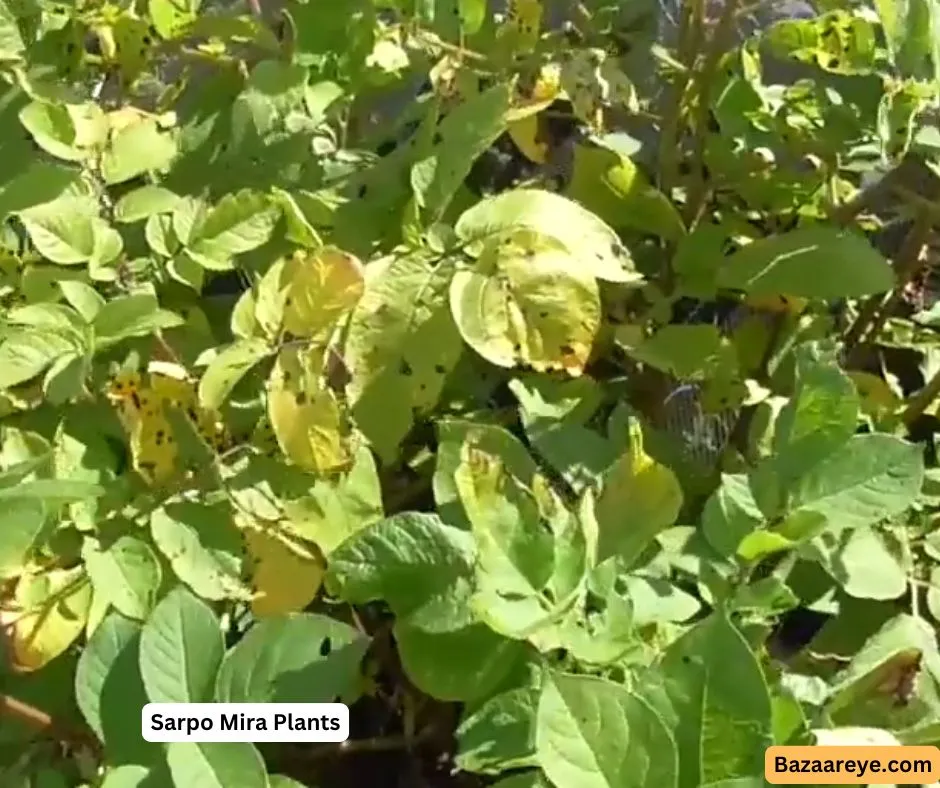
[285, 577]
[142, 402]
[59, 602]
[306, 294]
[525, 134]
[528, 304]
[792, 305]
[306, 417]
[876, 395]
[639, 498]
[524, 23]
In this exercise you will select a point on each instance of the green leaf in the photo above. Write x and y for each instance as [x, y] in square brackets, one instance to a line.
[597, 734]
[216, 765]
[400, 347]
[237, 224]
[404, 560]
[821, 416]
[907, 28]
[554, 415]
[172, 17]
[297, 658]
[593, 247]
[129, 776]
[144, 202]
[814, 262]
[135, 150]
[720, 706]
[25, 354]
[686, 352]
[461, 138]
[110, 691]
[449, 655]
[532, 553]
[83, 298]
[730, 514]
[131, 316]
[53, 128]
[202, 546]
[126, 573]
[499, 734]
[870, 478]
[66, 231]
[11, 40]
[610, 185]
[181, 647]
[455, 437]
[867, 562]
[228, 367]
[472, 15]
[21, 522]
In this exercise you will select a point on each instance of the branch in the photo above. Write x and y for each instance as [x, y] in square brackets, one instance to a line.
[876, 309]
[44, 723]
[704, 80]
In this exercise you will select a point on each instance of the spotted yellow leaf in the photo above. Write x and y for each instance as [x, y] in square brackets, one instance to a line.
[285, 575]
[306, 417]
[142, 403]
[53, 612]
[306, 294]
[792, 305]
[526, 304]
[524, 23]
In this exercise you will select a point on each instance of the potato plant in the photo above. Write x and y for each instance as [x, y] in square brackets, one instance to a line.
[559, 397]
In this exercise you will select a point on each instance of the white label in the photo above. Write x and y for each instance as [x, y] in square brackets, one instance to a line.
[252, 722]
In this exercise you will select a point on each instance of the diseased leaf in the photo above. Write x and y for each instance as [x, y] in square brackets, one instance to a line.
[591, 245]
[525, 304]
[400, 347]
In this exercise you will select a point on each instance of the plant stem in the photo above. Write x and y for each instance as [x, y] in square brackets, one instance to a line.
[876, 309]
[704, 81]
[690, 26]
[41, 721]
[922, 400]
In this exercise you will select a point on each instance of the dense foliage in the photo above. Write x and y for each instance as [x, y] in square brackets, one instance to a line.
[561, 400]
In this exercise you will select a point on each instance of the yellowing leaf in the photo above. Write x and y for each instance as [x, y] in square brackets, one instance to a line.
[523, 23]
[527, 304]
[400, 347]
[142, 402]
[306, 417]
[875, 393]
[792, 305]
[525, 134]
[640, 497]
[285, 577]
[306, 294]
[55, 615]
[592, 81]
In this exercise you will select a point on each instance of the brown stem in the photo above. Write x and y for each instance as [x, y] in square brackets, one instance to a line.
[690, 25]
[377, 744]
[704, 80]
[43, 722]
[876, 310]
[922, 400]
